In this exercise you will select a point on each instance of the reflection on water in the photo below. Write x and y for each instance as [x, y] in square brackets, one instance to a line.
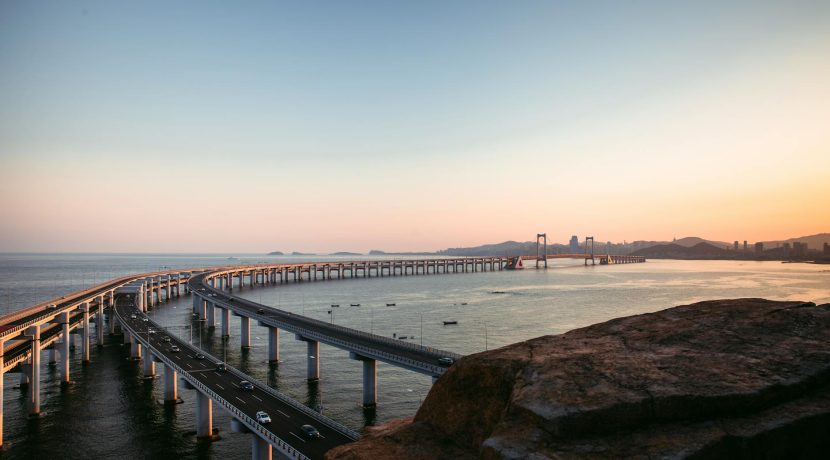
[111, 411]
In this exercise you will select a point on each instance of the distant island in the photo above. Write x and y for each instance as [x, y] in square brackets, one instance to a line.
[295, 253]
[276, 253]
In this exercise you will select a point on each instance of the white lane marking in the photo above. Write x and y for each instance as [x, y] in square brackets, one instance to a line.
[191, 356]
[256, 398]
[188, 365]
[217, 373]
[283, 413]
[292, 434]
[237, 397]
[220, 386]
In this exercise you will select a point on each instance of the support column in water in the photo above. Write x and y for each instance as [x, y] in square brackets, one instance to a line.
[260, 448]
[313, 360]
[273, 344]
[211, 315]
[204, 415]
[66, 340]
[226, 322]
[370, 379]
[246, 331]
[99, 322]
[149, 365]
[171, 395]
[33, 399]
[85, 335]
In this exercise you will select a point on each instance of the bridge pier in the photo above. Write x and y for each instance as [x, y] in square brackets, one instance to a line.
[211, 314]
[246, 331]
[66, 340]
[33, 396]
[53, 356]
[204, 416]
[313, 360]
[260, 448]
[85, 335]
[370, 379]
[149, 365]
[135, 349]
[99, 323]
[171, 395]
[226, 322]
[273, 344]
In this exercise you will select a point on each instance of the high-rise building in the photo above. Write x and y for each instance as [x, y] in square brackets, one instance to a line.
[736, 245]
[799, 249]
[746, 246]
[574, 245]
[759, 247]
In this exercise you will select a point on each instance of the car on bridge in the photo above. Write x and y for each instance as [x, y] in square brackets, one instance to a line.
[446, 361]
[246, 385]
[221, 367]
[263, 417]
[310, 432]
[200, 356]
[175, 349]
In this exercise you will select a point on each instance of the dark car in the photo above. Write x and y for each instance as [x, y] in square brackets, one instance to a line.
[200, 356]
[166, 338]
[220, 367]
[445, 361]
[246, 385]
[310, 432]
[260, 311]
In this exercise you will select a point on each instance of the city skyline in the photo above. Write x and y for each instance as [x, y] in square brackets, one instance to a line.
[409, 127]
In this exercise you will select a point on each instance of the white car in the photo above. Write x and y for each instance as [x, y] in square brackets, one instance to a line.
[262, 417]
[133, 316]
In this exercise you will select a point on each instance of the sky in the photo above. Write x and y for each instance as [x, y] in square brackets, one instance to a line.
[354, 125]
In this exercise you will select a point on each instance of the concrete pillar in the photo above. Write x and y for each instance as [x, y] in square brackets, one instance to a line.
[99, 323]
[196, 300]
[65, 341]
[211, 314]
[170, 394]
[370, 382]
[135, 349]
[273, 344]
[246, 331]
[313, 359]
[149, 365]
[53, 355]
[204, 415]
[33, 399]
[128, 339]
[169, 287]
[226, 322]
[85, 339]
[260, 448]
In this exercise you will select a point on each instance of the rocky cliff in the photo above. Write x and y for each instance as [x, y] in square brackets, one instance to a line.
[743, 378]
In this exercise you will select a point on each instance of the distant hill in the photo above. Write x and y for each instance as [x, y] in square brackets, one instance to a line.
[701, 250]
[276, 253]
[813, 241]
[344, 253]
[691, 241]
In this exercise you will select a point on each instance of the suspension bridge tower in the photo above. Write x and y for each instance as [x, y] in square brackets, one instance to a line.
[543, 257]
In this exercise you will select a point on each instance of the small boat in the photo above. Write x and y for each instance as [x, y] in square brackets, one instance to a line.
[354, 304]
[390, 305]
[464, 303]
[403, 337]
[334, 305]
[447, 323]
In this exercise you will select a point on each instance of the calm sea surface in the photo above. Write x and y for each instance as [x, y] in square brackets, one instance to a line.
[110, 411]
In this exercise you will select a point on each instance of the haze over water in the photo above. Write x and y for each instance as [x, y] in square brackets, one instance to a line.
[116, 407]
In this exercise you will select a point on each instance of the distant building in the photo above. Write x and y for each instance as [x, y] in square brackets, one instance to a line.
[746, 246]
[826, 249]
[799, 249]
[574, 245]
[759, 247]
[736, 245]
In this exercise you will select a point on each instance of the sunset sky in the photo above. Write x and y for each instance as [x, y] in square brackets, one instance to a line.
[325, 126]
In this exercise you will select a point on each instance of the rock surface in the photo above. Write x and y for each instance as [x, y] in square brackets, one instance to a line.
[743, 378]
